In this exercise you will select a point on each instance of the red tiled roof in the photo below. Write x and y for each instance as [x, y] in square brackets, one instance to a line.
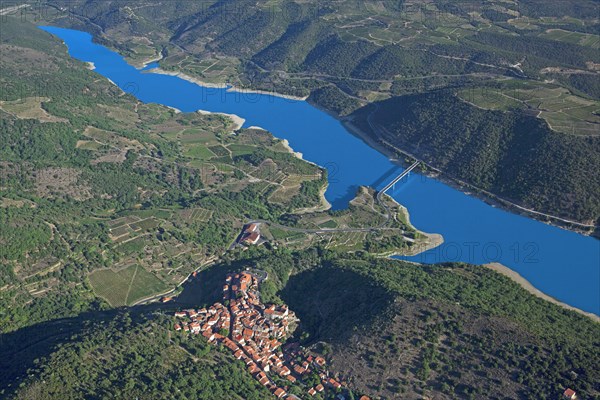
[252, 237]
[251, 228]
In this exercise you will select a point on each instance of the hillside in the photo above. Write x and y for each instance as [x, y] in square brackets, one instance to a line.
[387, 328]
[391, 328]
[129, 356]
[448, 331]
[513, 155]
[511, 56]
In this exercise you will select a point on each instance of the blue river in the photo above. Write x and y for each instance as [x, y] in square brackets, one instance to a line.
[560, 263]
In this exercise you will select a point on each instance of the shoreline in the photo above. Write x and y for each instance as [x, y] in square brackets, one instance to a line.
[186, 77]
[175, 110]
[266, 92]
[286, 144]
[228, 88]
[145, 63]
[236, 119]
[525, 284]
[324, 203]
[432, 241]
[295, 153]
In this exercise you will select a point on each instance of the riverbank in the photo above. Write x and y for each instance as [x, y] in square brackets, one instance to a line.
[431, 241]
[297, 154]
[266, 92]
[324, 204]
[516, 277]
[229, 88]
[145, 63]
[236, 119]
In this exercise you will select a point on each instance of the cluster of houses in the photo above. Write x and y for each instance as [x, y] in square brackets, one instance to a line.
[254, 334]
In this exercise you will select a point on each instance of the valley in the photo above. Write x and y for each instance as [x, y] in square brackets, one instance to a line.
[283, 199]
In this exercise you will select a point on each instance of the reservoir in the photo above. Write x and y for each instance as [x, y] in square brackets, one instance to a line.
[560, 263]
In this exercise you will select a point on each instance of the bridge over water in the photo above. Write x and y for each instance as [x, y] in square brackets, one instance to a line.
[398, 178]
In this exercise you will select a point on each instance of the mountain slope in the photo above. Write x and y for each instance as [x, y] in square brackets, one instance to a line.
[510, 154]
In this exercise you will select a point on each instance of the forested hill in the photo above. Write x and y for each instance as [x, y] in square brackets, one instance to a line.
[511, 154]
[389, 329]
[536, 56]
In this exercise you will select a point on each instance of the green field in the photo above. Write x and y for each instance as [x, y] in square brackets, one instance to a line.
[562, 110]
[582, 39]
[198, 151]
[241, 149]
[124, 287]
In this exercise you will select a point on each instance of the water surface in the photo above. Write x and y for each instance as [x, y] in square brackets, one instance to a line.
[562, 264]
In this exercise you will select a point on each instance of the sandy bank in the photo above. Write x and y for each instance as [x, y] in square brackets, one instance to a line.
[286, 144]
[221, 85]
[515, 276]
[187, 78]
[431, 241]
[323, 205]
[266, 92]
[237, 120]
[177, 110]
[145, 63]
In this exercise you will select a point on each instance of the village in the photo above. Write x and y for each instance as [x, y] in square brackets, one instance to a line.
[255, 333]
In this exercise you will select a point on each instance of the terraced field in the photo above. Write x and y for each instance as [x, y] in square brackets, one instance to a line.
[563, 111]
[583, 39]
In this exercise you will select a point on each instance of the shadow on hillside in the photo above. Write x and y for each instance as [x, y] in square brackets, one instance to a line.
[332, 302]
[207, 287]
[20, 349]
